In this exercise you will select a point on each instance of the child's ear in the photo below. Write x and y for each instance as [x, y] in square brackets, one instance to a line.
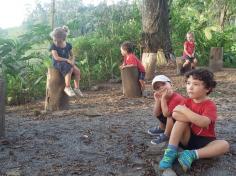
[209, 90]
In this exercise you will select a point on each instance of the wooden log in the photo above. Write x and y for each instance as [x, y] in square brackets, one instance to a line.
[130, 83]
[56, 99]
[2, 108]
[149, 62]
[216, 59]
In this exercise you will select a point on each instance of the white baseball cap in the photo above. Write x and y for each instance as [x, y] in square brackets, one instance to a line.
[160, 78]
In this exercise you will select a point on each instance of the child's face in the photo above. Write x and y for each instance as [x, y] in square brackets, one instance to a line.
[161, 86]
[196, 89]
[189, 37]
[123, 52]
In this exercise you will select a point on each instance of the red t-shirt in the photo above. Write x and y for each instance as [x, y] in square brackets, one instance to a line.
[131, 59]
[175, 99]
[190, 46]
[206, 108]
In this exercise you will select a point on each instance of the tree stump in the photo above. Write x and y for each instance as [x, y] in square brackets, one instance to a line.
[56, 99]
[216, 59]
[130, 83]
[179, 66]
[149, 62]
[2, 108]
[161, 59]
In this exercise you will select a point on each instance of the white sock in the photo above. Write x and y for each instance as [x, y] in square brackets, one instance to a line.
[196, 154]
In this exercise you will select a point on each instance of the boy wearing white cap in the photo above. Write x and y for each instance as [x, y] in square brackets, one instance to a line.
[165, 101]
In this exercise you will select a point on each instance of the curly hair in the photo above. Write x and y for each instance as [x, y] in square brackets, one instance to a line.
[204, 75]
[127, 46]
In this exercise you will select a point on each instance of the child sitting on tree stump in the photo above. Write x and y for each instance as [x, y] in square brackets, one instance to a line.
[64, 61]
[130, 60]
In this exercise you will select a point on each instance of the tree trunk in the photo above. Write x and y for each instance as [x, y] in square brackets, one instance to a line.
[155, 22]
[222, 19]
[53, 14]
[130, 82]
[56, 99]
[2, 108]
[216, 59]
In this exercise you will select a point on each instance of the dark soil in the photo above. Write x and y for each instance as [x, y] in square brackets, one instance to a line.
[104, 134]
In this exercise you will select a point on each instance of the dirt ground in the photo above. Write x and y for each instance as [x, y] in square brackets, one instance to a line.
[105, 134]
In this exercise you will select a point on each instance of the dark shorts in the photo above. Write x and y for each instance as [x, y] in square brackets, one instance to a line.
[162, 118]
[197, 142]
[63, 67]
[190, 59]
[141, 75]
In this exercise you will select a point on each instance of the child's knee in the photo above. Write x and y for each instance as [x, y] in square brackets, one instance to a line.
[186, 62]
[225, 145]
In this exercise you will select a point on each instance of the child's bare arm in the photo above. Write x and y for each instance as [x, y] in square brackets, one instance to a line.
[164, 105]
[180, 117]
[56, 56]
[199, 120]
[157, 105]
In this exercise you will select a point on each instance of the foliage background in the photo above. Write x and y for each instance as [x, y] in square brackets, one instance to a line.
[96, 33]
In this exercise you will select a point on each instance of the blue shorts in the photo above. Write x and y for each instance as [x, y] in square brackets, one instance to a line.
[141, 75]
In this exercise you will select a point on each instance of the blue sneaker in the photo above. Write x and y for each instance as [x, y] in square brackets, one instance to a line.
[186, 158]
[168, 159]
[154, 131]
[161, 138]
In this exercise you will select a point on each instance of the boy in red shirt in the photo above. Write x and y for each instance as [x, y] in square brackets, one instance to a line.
[165, 101]
[189, 51]
[130, 60]
[194, 128]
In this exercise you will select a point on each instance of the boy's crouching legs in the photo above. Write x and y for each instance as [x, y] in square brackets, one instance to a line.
[179, 133]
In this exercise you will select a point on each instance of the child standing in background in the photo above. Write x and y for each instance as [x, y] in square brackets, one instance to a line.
[189, 51]
[130, 60]
[64, 61]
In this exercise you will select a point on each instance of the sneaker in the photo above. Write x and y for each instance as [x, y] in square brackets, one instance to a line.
[186, 158]
[161, 138]
[168, 159]
[69, 91]
[78, 92]
[154, 131]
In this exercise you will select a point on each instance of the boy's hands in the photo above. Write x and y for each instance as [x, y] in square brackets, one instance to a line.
[157, 96]
[180, 108]
[166, 94]
[162, 94]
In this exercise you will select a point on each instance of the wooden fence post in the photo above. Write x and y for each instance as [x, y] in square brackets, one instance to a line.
[130, 82]
[216, 59]
[2, 108]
